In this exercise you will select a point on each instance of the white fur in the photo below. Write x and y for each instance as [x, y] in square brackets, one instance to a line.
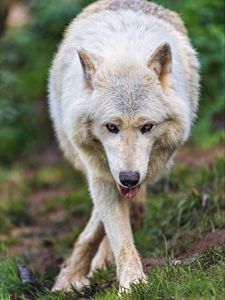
[120, 44]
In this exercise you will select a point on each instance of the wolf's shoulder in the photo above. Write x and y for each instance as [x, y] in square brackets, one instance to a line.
[144, 6]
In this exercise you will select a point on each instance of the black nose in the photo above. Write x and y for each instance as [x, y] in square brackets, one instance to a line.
[129, 179]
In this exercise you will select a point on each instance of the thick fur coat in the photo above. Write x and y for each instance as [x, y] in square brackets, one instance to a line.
[123, 95]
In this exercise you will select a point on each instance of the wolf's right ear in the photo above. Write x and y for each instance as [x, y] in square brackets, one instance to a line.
[89, 65]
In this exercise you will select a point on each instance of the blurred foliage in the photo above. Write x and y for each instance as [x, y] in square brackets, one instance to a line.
[26, 54]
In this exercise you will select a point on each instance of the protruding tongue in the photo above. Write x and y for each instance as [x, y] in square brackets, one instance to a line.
[129, 192]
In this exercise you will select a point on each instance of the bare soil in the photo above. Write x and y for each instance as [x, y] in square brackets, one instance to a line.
[198, 156]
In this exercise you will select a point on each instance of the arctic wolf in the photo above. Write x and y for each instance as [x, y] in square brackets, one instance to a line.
[123, 94]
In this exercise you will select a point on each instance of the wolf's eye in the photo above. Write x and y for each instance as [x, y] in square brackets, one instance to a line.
[146, 128]
[112, 128]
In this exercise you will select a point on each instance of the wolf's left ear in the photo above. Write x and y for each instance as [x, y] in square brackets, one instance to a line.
[161, 60]
[89, 65]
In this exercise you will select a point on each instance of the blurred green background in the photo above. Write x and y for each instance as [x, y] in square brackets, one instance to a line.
[26, 52]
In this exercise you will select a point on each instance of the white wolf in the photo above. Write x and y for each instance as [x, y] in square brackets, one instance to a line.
[123, 94]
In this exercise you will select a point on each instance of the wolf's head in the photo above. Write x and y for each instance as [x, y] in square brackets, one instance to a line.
[133, 115]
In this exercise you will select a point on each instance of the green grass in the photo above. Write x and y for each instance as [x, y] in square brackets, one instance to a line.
[188, 202]
[169, 282]
[182, 208]
[203, 279]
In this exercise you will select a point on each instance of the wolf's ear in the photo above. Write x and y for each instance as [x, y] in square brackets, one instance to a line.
[161, 60]
[89, 65]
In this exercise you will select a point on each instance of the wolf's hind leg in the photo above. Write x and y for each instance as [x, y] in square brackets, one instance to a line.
[104, 255]
[75, 270]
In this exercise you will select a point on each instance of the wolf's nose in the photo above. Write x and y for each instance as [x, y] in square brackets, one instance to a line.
[129, 179]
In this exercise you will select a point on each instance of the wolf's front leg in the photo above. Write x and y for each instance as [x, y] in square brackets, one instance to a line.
[75, 270]
[114, 213]
[137, 213]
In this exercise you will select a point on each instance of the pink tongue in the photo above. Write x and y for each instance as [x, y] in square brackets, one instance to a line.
[129, 192]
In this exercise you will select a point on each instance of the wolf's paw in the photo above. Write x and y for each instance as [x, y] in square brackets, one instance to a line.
[66, 284]
[129, 278]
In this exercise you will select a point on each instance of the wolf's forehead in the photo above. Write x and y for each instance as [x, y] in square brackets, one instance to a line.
[129, 96]
[132, 103]
[130, 91]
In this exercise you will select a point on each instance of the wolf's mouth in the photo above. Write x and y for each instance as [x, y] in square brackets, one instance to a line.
[128, 192]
